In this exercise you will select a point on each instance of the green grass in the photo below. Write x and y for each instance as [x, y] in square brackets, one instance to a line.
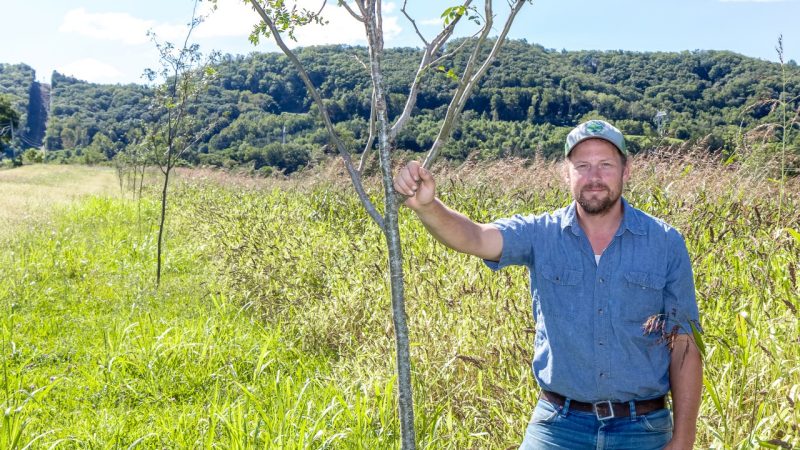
[94, 357]
[273, 330]
[30, 193]
[313, 256]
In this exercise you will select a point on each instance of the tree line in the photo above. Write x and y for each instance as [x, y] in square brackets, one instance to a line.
[264, 118]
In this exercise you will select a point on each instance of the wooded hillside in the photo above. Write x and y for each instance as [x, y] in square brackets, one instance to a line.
[525, 106]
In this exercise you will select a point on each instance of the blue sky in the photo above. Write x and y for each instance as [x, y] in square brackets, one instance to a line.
[105, 41]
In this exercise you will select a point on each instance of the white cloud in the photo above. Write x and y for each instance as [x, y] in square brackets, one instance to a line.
[341, 28]
[110, 26]
[391, 27]
[90, 69]
[388, 8]
[234, 18]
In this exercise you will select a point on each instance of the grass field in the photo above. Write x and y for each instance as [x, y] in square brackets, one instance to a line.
[95, 357]
[31, 193]
[272, 328]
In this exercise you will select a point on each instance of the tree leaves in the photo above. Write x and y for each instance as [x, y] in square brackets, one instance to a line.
[454, 12]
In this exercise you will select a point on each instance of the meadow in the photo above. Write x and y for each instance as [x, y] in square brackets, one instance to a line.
[30, 193]
[272, 326]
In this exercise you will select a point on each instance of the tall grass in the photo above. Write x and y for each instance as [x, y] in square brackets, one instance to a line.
[93, 357]
[273, 327]
[29, 193]
[312, 255]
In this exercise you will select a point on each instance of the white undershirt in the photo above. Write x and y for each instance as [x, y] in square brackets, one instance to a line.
[597, 259]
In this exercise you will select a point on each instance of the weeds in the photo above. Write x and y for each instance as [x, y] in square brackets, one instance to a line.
[274, 330]
[472, 330]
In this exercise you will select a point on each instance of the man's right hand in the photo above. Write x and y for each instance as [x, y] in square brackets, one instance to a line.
[449, 227]
[417, 183]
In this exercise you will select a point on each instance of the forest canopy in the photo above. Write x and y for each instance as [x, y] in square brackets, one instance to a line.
[524, 107]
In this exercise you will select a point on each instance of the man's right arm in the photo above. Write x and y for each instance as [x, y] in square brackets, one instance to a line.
[449, 227]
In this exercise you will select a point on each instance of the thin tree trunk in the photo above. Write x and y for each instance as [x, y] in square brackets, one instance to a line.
[161, 225]
[132, 180]
[391, 230]
[138, 198]
[121, 176]
[141, 181]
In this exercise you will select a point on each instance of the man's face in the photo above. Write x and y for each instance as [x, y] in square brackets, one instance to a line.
[596, 175]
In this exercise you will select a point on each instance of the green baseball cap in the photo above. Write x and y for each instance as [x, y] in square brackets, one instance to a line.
[595, 129]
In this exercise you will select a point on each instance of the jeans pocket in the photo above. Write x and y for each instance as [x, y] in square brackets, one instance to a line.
[657, 421]
[545, 412]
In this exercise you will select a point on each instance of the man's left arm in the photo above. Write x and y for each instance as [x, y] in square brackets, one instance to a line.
[686, 382]
[685, 366]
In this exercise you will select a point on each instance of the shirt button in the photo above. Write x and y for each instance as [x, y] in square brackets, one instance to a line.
[600, 311]
[602, 280]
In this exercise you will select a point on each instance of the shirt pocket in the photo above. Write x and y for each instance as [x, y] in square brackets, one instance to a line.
[642, 296]
[561, 291]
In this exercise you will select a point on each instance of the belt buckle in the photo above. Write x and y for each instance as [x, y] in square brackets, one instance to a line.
[603, 404]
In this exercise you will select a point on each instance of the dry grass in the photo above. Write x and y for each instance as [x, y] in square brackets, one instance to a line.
[31, 193]
[678, 170]
[306, 253]
[300, 253]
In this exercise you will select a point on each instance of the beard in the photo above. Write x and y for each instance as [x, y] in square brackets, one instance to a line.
[600, 202]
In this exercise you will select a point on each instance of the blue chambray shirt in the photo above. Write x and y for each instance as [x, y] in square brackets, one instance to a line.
[590, 340]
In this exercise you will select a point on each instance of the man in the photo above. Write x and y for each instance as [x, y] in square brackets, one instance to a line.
[613, 301]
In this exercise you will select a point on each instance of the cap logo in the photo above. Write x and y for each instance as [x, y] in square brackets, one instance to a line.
[595, 127]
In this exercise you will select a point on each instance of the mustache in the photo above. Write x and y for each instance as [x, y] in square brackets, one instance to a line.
[595, 186]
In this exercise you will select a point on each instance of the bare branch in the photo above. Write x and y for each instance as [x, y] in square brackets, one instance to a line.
[362, 7]
[358, 17]
[469, 81]
[413, 23]
[431, 49]
[324, 3]
[355, 176]
[452, 53]
[468, 71]
[379, 16]
[200, 135]
[363, 64]
[371, 138]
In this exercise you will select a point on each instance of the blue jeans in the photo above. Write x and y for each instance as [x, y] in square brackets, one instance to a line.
[554, 427]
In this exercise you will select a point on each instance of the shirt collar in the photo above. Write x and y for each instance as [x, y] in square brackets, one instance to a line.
[630, 220]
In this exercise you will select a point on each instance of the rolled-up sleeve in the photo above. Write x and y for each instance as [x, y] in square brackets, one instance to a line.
[518, 234]
[680, 302]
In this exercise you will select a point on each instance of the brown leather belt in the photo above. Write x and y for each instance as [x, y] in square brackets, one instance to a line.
[607, 409]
